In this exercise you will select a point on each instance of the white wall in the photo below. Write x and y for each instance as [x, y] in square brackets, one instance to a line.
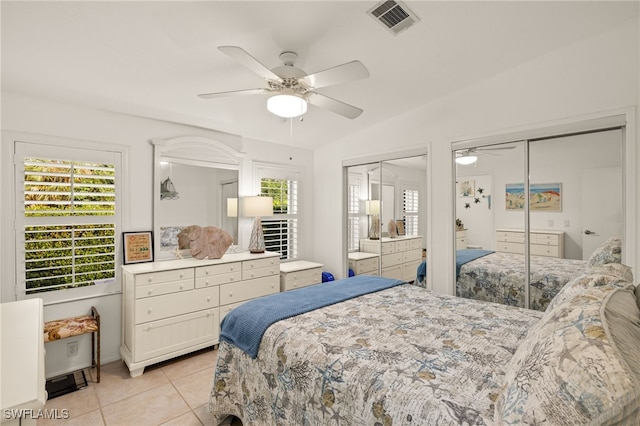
[38, 116]
[594, 75]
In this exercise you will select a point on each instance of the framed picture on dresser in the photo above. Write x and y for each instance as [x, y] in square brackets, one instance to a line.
[400, 227]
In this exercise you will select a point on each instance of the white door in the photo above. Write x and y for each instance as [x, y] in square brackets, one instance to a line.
[601, 207]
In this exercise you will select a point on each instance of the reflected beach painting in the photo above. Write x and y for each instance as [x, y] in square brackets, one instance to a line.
[542, 196]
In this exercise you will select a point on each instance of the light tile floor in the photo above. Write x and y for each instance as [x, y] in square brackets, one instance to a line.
[174, 392]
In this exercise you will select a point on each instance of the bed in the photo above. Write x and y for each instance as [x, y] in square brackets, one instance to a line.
[402, 355]
[499, 277]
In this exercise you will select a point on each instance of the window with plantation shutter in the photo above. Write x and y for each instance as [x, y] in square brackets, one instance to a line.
[353, 216]
[67, 222]
[410, 208]
[281, 229]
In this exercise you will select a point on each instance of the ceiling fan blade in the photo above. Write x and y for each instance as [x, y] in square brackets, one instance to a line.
[333, 105]
[353, 70]
[241, 55]
[232, 93]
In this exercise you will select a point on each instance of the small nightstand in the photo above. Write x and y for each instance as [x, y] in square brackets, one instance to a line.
[299, 273]
[362, 263]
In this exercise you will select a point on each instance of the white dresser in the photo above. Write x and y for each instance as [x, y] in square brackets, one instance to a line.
[400, 256]
[541, 242]
[362, 263]
[174, 307]
[298, 274]
[461, 239]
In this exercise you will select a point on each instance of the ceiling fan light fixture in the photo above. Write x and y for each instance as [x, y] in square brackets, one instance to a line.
[287, 106]
[467, 159]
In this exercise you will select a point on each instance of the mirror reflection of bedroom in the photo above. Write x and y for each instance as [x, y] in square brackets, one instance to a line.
[194, 194]
[386, 218]
[574, 207]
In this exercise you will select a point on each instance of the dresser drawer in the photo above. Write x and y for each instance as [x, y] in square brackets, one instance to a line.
[389, 247]
[403, 245]
[391, 259]
[544, 250]
[224, 268]
[510, 237]
[208, 281]
[163, 288]
[545, 239]
[415, 243]
[510, 247]
[299, 279]
[364, 265]
[392, 272]
[164, 276]
[249, 265]
[174, 304]
[244, 290]
[225, 309]
[261, 272]
[410, 270]
[412, 255]
[164, 336]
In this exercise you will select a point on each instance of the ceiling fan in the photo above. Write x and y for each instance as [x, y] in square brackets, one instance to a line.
[468, 156]
[290, 89]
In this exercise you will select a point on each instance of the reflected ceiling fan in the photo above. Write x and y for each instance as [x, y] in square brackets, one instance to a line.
[469, 156]
[290, 89]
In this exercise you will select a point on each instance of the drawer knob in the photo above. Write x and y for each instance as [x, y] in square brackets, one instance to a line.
[232, 278]
[230, 294]
[150, 279]
[181, 286]
[231, 268]
[206, 272]
[208, 298]
[150, 291]
[149, 327]
[181, 274]
[149, 310]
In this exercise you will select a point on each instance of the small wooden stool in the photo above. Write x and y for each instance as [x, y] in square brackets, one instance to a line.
[76, 326]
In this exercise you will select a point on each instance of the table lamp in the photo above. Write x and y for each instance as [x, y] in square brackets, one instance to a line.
[257, 207]
[372, 208]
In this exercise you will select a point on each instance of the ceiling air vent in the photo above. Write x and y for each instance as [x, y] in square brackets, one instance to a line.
[395, 16]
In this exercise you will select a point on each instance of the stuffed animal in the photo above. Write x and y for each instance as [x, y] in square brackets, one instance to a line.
[209, 242]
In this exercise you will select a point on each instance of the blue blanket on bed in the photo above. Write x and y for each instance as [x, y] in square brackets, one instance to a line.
[245, 325]
[467, 255]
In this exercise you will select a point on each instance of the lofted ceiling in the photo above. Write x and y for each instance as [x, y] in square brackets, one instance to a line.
[151, 59]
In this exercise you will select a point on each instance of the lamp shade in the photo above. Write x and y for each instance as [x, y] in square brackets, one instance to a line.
[287, 105]
[232, 207]
[257, 206]
[372, 207]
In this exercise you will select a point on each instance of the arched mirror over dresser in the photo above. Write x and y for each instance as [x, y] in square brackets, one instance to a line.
[195, 183]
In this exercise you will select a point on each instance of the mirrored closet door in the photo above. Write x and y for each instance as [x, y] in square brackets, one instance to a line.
[520, 250]
[386, 220]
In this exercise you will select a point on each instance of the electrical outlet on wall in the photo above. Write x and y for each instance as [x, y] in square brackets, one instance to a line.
[72, 348]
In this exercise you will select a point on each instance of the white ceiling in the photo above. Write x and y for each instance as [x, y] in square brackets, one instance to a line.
[152, 58]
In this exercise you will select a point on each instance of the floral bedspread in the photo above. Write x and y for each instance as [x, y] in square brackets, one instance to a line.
[499, 277]
[401, 356]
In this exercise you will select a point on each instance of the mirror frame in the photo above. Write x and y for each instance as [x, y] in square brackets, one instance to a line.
[190, 150]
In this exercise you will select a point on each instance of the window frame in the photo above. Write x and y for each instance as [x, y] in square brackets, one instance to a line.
[37, 146]
[276, 172]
